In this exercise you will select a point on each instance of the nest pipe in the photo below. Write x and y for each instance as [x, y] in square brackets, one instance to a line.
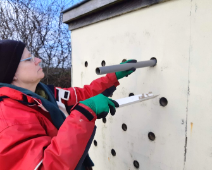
[126, 66]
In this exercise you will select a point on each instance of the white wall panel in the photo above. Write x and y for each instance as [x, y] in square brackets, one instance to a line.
[199, 130]
[178, 33]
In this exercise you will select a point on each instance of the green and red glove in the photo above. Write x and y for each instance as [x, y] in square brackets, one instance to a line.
[121, 74]
[101, 105]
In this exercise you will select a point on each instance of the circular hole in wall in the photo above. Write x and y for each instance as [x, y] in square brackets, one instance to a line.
[86, 64]
[153, 58]
[131, 94]
[124, 127]
[113, 152]
[151, 136]
[95, 142]
[104, 120]
[136, 164]
[103, 63]
[163, 101]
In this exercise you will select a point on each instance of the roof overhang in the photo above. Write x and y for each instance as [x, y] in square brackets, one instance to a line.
[91, 11]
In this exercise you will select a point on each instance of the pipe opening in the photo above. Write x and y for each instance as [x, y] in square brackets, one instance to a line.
[153, 58]
[95, 142]
[163, 101]
[103, 63]
[136, 164]
[86, 64]
[151, 136]
[97, 71]
[124, 127]
[113, 152]
[104, 120]
[131, 94]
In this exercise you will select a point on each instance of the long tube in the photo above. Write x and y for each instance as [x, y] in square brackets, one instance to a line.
[126, 66]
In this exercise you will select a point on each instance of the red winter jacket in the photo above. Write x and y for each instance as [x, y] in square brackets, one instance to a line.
[29, 140]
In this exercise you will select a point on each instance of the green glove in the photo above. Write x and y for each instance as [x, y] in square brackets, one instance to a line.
[101, 105]
[121, 74]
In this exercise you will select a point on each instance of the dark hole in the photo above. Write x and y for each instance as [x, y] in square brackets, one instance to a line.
[124, 127]
[124, 60]
[103, 63]
[151, 136]
[113, 152]
[136, 164]
[86, 64]
[104, 120]
[163, 101]
[153, 58]
[95, 142]
[131, 94]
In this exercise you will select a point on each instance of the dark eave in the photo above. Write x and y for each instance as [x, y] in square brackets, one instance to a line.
[91, 11]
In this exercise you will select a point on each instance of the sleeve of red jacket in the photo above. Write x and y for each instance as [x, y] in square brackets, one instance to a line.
[31, 148]
[72, 141]
[96, 87]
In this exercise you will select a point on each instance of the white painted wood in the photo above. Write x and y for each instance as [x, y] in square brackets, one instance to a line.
[178, 33]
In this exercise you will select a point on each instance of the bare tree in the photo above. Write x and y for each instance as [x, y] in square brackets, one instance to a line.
[39, 24]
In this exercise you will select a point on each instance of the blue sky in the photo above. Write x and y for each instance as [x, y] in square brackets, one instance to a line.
[73, 2]
[77, 1]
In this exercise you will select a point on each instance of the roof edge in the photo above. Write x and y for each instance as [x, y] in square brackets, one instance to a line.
[87, 7]
[75, 6]
[97, 10]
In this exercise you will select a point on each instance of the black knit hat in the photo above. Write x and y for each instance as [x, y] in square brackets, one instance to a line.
[10, 56]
